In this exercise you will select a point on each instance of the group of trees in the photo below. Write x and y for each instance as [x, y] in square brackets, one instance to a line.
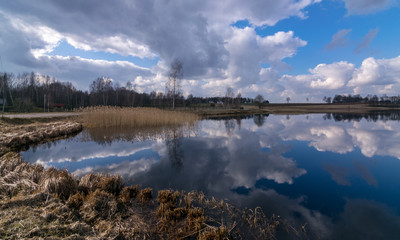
[25, 92]
[31, 92]
[371, 99]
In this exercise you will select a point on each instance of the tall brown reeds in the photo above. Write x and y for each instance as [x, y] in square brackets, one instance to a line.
[105, 117]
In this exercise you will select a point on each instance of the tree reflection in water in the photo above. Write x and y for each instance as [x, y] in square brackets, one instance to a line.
[373, 116]
[175, 151]
[259, 119]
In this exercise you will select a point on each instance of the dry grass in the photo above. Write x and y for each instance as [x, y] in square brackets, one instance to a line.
[106, 117]
[58, 182]
[98, 204]
[111, 184]
[17, 176]
[37, 203]
[17, 136]
[194, 216]
[145, 195]
[128, 193]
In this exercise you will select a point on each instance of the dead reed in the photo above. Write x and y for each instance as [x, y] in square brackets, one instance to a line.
[108, 183]
[106, 117]
[58, 182]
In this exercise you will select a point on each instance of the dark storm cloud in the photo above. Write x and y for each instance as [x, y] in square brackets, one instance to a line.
[196, 32]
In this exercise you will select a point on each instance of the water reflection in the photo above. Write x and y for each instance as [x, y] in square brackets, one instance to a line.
[110, 134]
[335, 176]
[175, 151]
[259, 119]
[371, 116]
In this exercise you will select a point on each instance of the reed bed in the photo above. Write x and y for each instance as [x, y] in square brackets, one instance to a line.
[107, 117]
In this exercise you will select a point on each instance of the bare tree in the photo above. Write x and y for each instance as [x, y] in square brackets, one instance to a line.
[238, 99]
[288, 99]
[3, 87]
[101, 87]
[259, 100]
[229, 95]
[175, 74]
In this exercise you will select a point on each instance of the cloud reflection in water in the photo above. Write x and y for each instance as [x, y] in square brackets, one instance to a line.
[230, 158]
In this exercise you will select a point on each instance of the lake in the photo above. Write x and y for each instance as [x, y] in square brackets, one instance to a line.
[338, 174]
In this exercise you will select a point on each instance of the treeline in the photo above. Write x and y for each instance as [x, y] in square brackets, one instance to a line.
[27, 91]
[32, 92]
[370, 99]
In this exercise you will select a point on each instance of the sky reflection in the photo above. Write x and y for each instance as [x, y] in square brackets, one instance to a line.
[326, 173]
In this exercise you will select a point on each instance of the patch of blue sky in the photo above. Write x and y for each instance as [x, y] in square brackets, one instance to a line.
[241, 24]
[316, 29]
[265, 65]
[65, 49]
[326, 19]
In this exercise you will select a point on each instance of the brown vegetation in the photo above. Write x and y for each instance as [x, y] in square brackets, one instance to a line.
[105, 117]
[16, 136]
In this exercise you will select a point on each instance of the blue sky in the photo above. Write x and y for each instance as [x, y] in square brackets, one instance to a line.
[291, 48]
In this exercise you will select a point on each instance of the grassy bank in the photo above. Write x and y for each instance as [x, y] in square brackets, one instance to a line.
[17, 134]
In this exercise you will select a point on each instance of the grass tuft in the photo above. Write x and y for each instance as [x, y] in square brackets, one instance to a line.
[145, 195]
[58, 182]
[108, 183]
[76, 200]
[98, 204]
[128, 193]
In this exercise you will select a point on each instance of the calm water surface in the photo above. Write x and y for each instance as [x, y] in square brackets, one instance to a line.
[342, 178]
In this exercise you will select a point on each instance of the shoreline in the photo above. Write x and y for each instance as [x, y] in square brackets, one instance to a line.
[292, 109]
[38, 203]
